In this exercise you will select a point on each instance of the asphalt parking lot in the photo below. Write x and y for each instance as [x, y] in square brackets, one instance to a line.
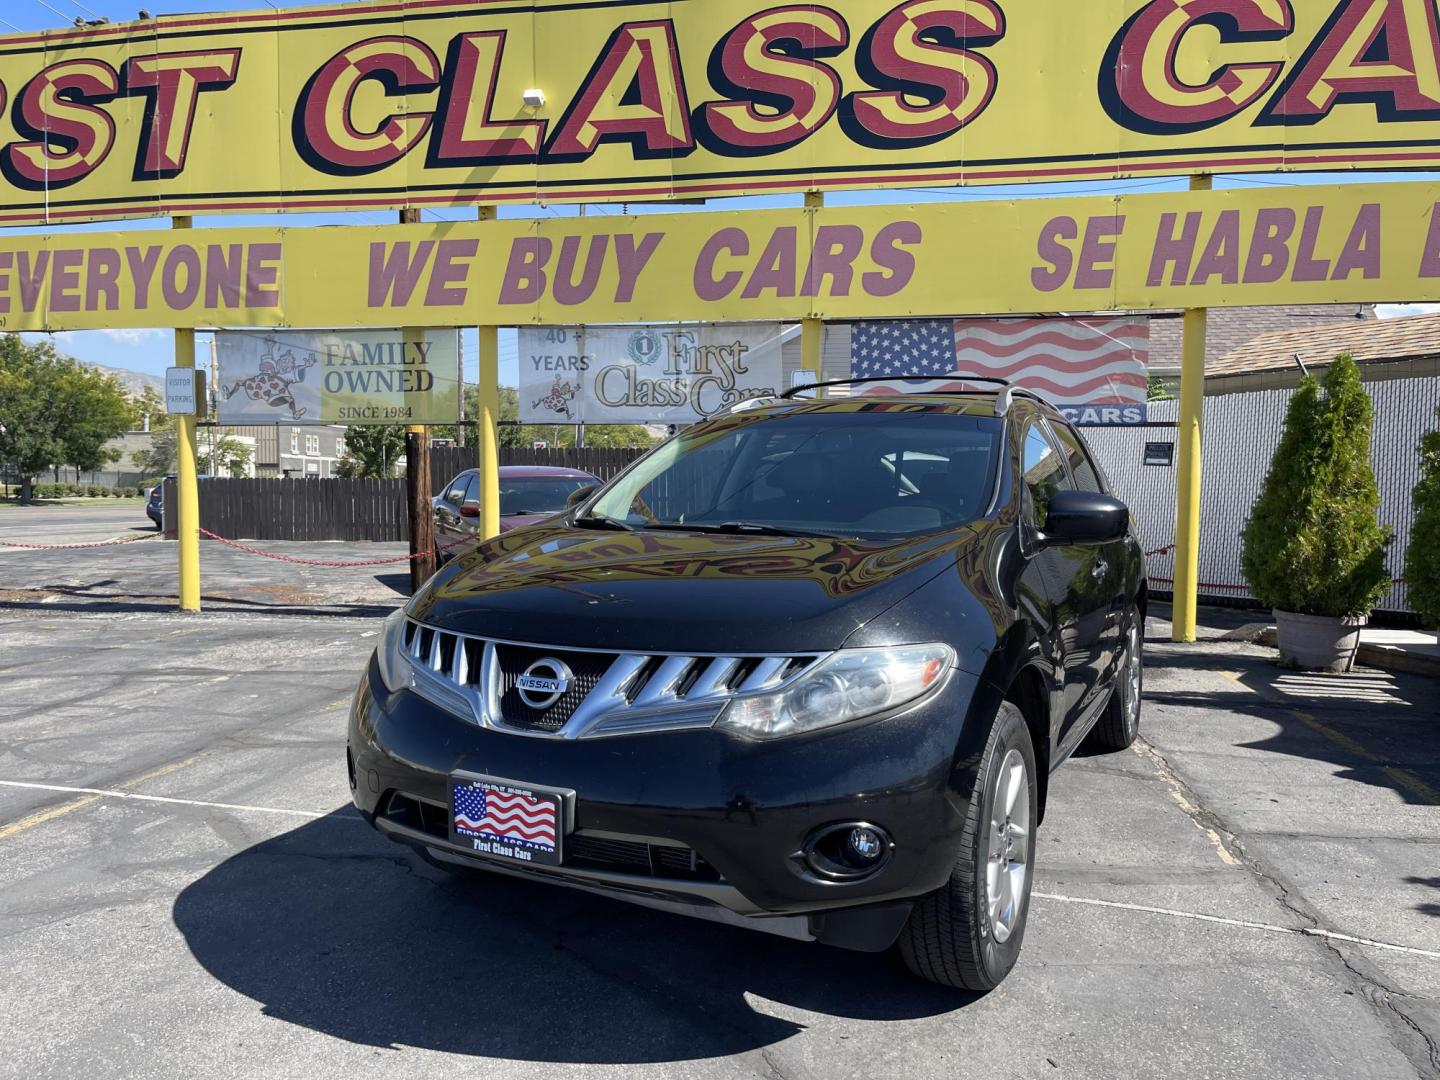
[184, 892]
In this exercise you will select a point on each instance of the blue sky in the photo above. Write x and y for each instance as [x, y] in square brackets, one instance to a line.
[152, 350]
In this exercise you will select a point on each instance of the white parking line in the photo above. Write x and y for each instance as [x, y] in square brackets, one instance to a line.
[1269, 928]
[112, 794]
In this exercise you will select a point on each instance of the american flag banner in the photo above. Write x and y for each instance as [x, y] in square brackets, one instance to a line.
[485, 811]
[1094, 370]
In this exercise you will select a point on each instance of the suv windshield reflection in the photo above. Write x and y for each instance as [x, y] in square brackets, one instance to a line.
[823, 472]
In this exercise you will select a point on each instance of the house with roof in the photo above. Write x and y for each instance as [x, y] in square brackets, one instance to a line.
[1247, 394]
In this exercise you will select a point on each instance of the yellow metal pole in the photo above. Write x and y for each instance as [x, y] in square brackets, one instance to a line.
[1189, 478]
[812, 331]
[187, 488]
[487, 420]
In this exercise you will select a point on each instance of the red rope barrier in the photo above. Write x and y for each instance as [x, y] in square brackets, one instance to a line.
[329, 563]
[96, 544]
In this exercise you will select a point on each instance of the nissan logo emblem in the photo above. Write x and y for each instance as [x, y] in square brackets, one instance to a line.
[544, 683]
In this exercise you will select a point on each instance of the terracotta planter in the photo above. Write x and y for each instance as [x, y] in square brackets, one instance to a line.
[1319, 642]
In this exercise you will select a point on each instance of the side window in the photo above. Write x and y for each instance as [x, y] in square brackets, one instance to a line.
[1044, 471]
[456, 492]
[472, 489]
[1086, 478]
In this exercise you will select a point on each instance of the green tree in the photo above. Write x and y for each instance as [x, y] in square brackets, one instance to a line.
[371, 451]
[1314, 545]
[159, 459]
[1422, 557]
[54, 411]
[150, 403]
[1157, 388]
[90, 409]
[231, 457]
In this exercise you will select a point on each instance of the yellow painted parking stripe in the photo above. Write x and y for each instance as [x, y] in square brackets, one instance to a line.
[1404, 778]
[42, 816]
[50, 813]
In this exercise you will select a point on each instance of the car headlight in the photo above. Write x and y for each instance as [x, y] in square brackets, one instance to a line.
[847, 685]
[395, 670]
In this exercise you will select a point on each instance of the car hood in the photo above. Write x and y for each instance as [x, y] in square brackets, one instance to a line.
[660, 591]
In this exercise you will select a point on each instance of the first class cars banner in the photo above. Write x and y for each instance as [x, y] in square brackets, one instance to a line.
[423, 103]
[1357, 243]
[645, 374]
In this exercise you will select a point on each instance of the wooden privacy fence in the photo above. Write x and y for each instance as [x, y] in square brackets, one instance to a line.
[338, 509]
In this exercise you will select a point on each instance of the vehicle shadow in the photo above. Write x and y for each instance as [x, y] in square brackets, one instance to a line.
[332, 927]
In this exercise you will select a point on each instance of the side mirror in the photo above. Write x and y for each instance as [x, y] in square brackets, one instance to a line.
[579, 495]
[1084, 518]
[470, 510]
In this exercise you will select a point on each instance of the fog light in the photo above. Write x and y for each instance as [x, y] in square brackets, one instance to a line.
[848, 851]
[865, 844]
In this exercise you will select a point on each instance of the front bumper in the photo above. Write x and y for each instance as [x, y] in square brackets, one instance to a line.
[745, 808]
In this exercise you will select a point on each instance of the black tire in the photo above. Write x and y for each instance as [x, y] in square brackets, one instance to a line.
[950, 937]
[1119, 724]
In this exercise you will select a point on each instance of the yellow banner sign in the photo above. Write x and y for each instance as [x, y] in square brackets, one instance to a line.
[1298, 245]
[410, 103]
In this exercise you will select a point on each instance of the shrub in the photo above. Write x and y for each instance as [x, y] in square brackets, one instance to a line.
[1313, 544]
[95, 491]
[1422, 557]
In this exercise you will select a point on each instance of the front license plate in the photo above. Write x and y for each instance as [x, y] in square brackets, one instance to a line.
[509, 821]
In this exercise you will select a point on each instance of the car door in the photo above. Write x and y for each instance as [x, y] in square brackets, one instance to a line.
[449, 526]
[1105, 605]
[1065, 571]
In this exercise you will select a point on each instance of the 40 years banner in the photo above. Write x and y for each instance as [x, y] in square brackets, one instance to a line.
[338, 377]
[644, 374]
[411, 103]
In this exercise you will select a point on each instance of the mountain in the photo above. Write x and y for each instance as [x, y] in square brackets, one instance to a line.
[134, 382]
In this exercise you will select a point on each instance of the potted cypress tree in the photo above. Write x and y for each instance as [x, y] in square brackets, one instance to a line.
[1422, 557]
[1314, 547]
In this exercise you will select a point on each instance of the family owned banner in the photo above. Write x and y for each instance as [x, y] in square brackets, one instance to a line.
[339, 377]
[644, 374]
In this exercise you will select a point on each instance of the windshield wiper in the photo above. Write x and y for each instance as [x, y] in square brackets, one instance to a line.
[603, 521]
[754, 528]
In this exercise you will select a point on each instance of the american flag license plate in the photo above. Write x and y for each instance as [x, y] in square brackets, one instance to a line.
[503, 820]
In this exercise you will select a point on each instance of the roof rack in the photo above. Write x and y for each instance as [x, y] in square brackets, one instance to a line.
[1004, 396]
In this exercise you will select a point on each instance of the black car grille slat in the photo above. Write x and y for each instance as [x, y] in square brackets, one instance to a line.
[512, 660]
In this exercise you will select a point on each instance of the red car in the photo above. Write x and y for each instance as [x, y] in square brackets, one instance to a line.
[528, 493]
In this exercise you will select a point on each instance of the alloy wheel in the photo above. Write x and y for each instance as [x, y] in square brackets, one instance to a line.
[1008, 862]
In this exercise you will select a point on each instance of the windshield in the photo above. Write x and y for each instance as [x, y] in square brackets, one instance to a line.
[840, 472]
[540, 495]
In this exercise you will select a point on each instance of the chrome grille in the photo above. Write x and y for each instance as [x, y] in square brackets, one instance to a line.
[612, 693]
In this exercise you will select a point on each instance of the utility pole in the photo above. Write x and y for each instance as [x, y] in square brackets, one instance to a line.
[417, 472]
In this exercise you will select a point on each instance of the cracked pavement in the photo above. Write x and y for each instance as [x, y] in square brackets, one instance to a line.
[1254, 891]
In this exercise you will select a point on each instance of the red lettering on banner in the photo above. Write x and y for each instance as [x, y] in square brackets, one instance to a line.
[1362, 247]
[568, 291]
[1052, 247]
[1270, 246]
[65, 279]
[468, 133]
[1097, 254]
[1430, 255]
[142, 263]
[180, 277]
[1382, 52]
[897, 265]
[450, 273]
[172, 84]
[708, 287]
[262, 274]
[328, 134]
[1174, 250]
[930, 80]
[102, 280]
[833, 255]
[224, 268]
[769, 66]
[775, 269]
[394, 273]
[634, 93]
[525, 279]
[1221, 257]
[632, 258]
[69, 135]
[1140, 84]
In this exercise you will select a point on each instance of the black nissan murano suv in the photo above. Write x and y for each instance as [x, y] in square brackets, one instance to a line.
[805, 667]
